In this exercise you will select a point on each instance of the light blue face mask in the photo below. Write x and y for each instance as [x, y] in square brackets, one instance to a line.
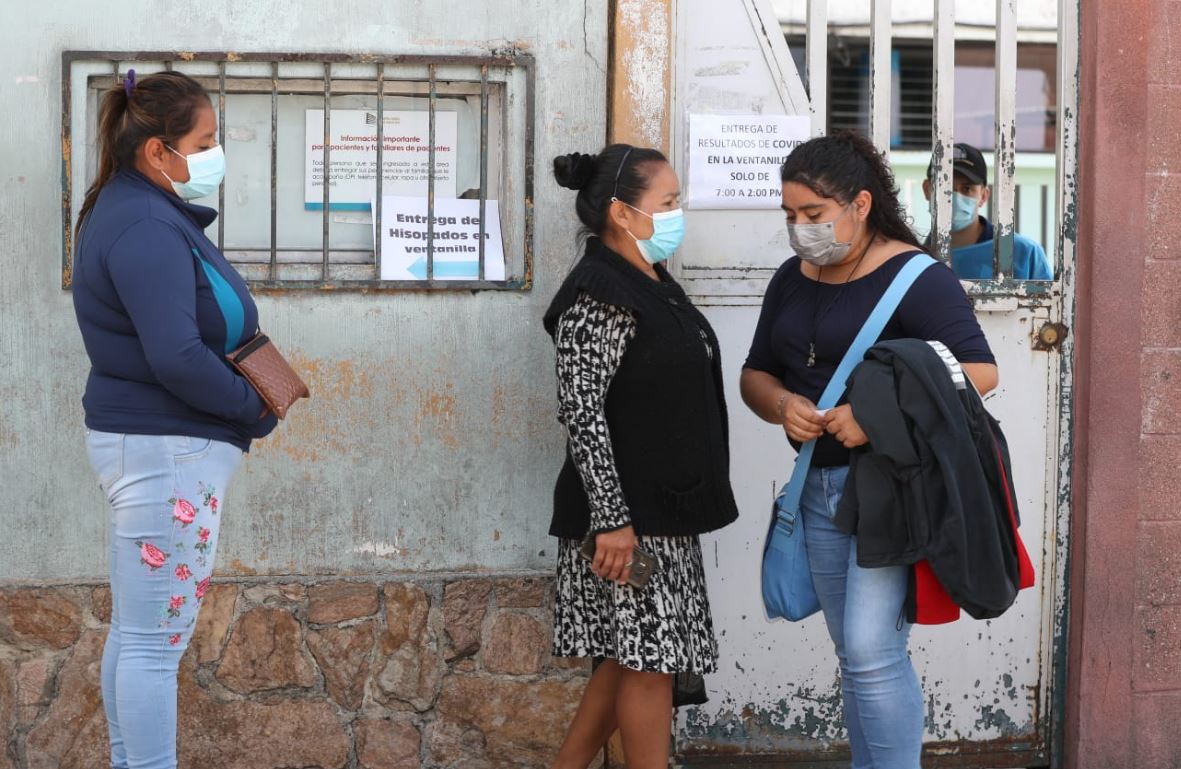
[963, 211]
[206, 170]
[668, 232]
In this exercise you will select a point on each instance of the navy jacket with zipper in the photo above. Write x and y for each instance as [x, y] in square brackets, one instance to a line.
[159, 306]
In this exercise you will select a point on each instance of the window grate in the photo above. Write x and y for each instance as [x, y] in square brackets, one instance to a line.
[479, 108]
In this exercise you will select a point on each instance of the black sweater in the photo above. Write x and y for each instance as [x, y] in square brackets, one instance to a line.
[665, 409]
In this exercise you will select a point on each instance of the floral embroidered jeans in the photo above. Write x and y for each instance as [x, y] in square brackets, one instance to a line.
[165, 496]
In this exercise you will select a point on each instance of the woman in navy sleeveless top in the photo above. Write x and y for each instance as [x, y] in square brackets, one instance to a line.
[849, 233]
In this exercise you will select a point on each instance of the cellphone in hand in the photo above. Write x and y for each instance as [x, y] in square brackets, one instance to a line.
[643, 564]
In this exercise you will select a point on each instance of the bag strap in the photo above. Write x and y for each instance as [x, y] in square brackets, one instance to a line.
[789, 499]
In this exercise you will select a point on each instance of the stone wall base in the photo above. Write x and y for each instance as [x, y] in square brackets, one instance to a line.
[333, 673]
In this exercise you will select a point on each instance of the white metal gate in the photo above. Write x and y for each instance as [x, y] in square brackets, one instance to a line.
[993, 689]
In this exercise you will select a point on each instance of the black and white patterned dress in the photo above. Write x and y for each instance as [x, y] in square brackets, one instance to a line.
[665, 627]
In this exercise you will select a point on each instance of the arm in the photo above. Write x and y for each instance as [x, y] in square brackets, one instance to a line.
[152, 269]
[937, 309]
[1030, 261]
[762, 389]
[985, 376]
[591, 338]
[766, 396]
[1042, 270]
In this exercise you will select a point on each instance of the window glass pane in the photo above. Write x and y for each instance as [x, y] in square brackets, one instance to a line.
[975, 100]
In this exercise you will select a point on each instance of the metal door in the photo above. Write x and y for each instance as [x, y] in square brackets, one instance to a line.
[993, 689]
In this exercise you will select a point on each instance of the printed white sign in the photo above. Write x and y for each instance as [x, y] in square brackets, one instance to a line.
[456, 239]
[352, 176]
[734, 160]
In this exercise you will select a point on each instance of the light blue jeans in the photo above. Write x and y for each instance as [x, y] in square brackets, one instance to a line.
[863, 609]
[166, 499]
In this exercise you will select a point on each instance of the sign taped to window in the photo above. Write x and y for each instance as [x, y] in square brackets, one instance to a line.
[456, 237]
[353, 156]
[734, 160]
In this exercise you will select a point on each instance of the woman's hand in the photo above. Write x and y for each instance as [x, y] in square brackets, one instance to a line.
[801, 422]
[839, 422]
[613, 554]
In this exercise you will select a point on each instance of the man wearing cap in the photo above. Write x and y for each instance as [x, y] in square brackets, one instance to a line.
[971, 233]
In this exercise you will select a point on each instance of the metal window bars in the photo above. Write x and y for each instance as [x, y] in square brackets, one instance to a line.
[1005, 196]
[464, 76]
[1004, 170]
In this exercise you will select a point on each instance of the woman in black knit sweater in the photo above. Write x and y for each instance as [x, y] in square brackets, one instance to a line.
[647, 466]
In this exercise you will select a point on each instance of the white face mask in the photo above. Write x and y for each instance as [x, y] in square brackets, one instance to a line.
[206, 171]
[817, 244]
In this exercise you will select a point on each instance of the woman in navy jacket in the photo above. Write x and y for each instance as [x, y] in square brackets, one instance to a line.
[167, 419]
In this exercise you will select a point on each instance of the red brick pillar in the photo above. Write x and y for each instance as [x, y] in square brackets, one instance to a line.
[1124, 689]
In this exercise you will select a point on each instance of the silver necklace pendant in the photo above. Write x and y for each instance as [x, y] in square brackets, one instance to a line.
[811, 354]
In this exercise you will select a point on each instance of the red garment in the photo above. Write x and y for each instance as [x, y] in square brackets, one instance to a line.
[933, 606]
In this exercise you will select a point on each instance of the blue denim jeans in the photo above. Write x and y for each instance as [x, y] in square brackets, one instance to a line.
[863, 609]
[166, 496]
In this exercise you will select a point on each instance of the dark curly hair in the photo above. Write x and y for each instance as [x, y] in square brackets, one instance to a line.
[839, 166]
[620, 171]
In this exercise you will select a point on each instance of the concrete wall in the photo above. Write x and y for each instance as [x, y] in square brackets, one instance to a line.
[421, 471]
[431, 442]
[1124, 692]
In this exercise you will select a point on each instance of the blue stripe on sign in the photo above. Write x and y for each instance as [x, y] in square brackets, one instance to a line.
[337, 207]
[227, 301]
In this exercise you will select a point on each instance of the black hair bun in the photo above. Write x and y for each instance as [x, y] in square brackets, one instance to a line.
[576, 170]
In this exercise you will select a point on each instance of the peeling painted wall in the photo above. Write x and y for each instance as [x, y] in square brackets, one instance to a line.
[642, 75]
[431, 442]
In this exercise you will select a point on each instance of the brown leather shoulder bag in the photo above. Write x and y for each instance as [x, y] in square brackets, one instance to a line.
[269, 373]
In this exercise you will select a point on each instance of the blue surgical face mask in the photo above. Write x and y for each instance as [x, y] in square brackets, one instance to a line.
[668, 232]
[206, 170]
[963, 211]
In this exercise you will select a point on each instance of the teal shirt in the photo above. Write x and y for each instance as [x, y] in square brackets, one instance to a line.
[974, 262]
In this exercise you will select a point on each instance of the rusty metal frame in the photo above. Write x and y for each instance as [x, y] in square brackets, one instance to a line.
[509, 60]
[1069, 100]
[1004, 199]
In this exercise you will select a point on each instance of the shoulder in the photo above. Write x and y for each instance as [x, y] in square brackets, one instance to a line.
[133, 197]
[592, 324]
[887, 271]
[150, 233]
[1027, 244]
[126, 213]
[788, 274]
[588, 308]
[148, 245]
[789, 270]
[937, 275]
[936, 286]
[597, 281]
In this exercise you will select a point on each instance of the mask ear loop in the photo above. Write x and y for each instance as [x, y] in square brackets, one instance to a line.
[182, 157]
